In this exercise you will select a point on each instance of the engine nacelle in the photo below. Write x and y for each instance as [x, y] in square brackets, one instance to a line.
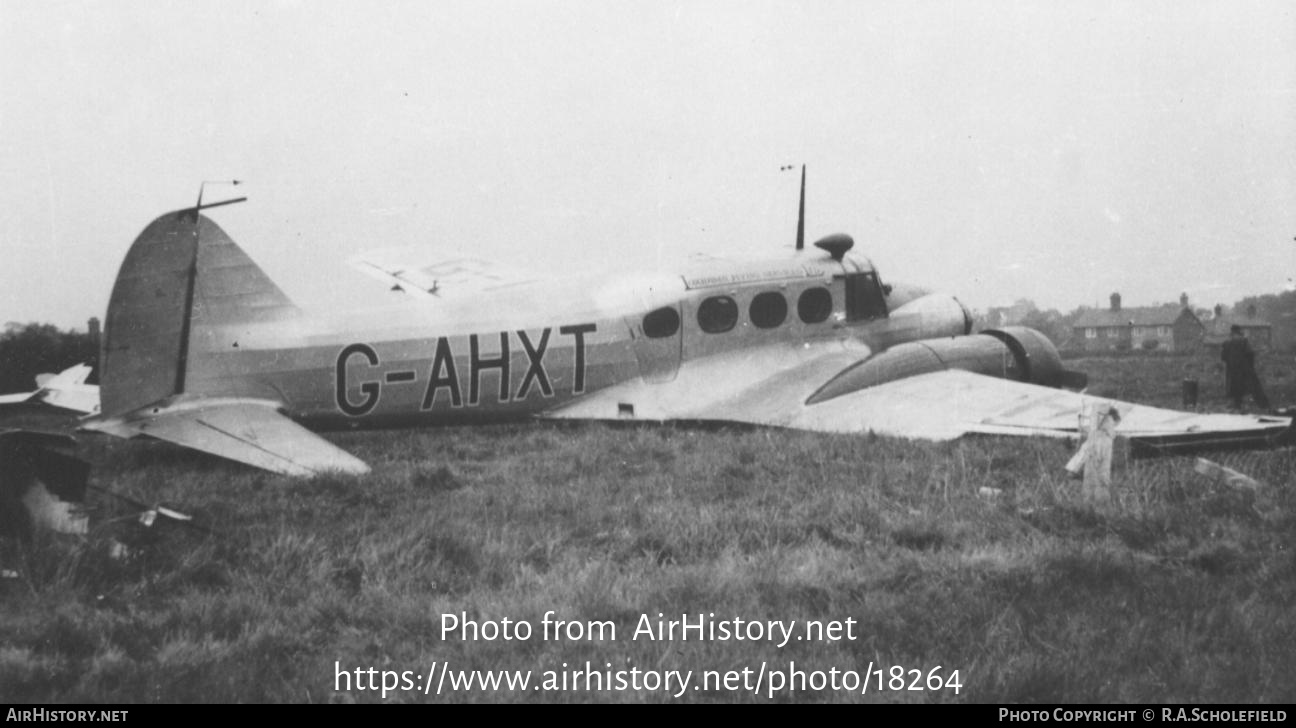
[1014, 352]
[919, 318]
[1036, 357]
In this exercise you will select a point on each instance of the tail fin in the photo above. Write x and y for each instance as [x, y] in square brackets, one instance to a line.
[182, 275]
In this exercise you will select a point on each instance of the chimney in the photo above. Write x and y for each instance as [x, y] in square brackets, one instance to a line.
[1115, 301]
[93, 327]
[1219, 310]
[1183, 300]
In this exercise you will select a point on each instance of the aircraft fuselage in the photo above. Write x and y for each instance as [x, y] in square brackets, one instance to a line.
[520, 351]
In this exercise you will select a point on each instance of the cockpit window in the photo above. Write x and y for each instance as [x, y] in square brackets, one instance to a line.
[815, 305]
[768, 310]
[661, 323]
[864, 299]
[717, 314]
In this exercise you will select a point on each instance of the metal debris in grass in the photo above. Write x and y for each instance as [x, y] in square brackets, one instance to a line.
[1227, 476]
[1263, 502]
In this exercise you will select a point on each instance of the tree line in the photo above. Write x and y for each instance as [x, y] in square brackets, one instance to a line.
[30, 349]
[1279, 309]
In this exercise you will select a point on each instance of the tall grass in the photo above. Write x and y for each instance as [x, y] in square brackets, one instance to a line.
[977, 555]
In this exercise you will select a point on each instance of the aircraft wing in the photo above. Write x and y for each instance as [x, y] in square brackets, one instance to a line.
[948, 404]
[936, 406]
[249, 431]
[409, 270]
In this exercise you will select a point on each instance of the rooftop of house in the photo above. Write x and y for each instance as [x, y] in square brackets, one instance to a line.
[1150, 316]
[1222, 324]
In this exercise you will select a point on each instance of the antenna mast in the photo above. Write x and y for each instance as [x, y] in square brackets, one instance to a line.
[800, 243]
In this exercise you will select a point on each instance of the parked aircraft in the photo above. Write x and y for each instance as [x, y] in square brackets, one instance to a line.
[203, 350]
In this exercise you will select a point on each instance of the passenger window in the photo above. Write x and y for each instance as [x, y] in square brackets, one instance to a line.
[815, 305]
[661, 323]
[768, 310]
[717, 314]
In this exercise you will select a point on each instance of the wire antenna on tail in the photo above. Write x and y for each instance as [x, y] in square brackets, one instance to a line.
[200, 206]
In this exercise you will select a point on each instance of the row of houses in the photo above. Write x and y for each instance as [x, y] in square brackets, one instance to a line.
[1162, 328]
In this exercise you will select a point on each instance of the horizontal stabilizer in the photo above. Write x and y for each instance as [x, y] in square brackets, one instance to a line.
[83, 398]
[249, 431]
[65, 390]
[18, 397]
[76, 374]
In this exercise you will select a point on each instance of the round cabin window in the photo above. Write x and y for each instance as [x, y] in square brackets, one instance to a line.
[815, 305]
[717, 314]
[661, 323]
[768, 310]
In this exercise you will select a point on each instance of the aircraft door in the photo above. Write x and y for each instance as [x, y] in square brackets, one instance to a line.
[657, 343]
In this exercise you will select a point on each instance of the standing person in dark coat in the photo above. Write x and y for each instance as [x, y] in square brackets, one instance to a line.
[1239, 370]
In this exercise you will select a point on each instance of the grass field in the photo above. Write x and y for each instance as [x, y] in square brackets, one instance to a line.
[976, 556]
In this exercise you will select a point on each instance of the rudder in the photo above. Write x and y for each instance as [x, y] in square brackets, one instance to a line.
[182, 275]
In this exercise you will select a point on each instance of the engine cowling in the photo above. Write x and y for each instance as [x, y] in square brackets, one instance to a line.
[1036, 357]
[1013, 352]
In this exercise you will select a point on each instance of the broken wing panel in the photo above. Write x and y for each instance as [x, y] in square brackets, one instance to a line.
[251, 433]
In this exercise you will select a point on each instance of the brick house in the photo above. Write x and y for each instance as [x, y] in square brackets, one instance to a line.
[1258, 331]
[1158, 328]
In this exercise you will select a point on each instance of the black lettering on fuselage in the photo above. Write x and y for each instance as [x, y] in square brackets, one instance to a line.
[578, 332]
[371, 389]
[476, 364]
[443, 374]
[535, 366]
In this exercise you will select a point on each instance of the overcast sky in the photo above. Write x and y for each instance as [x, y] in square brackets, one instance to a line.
[994, 150]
